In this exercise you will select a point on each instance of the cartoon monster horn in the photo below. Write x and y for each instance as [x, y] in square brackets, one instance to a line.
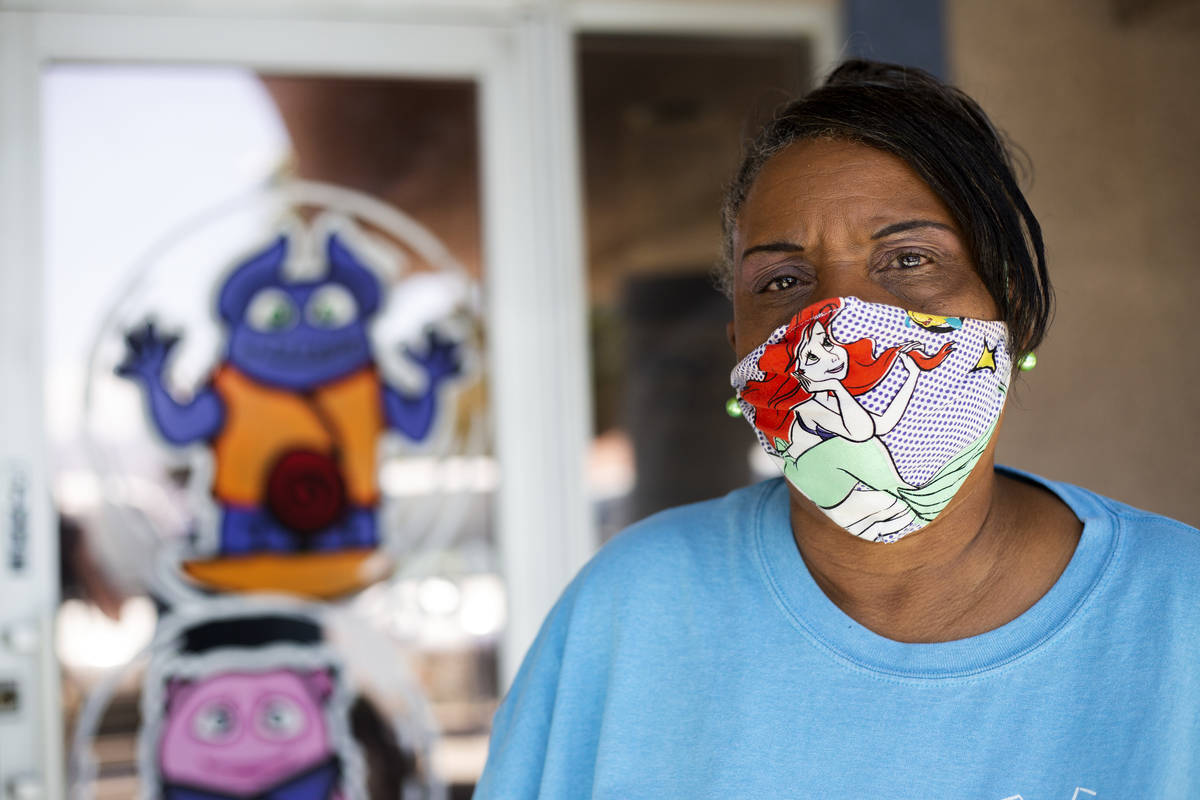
[261, 269]
[346, 269]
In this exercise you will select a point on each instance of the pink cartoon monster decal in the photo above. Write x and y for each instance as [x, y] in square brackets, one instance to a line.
[246, 735]
[247, 707]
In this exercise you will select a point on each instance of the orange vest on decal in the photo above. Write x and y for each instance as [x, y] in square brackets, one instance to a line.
[342, 420]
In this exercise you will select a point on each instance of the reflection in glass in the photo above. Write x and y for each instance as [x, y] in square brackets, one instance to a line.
[663, 118]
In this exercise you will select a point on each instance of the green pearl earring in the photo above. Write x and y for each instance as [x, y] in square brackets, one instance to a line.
[1027, 362]
[732, 408]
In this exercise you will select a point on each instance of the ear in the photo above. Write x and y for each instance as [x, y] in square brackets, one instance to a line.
[346, 269]
[319, 683]
[178, 691]
[261, 269]
[731, 335]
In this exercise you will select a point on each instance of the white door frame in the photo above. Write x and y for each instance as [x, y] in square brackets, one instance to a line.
[521, 53]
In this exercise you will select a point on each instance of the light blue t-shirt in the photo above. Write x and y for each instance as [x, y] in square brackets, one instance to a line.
[695, 657]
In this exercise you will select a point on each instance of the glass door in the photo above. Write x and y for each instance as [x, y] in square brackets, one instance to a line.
[292, 313]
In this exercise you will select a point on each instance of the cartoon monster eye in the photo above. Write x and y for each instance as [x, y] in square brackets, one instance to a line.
[270, 311]
[215, 722]
[280, 718]
[331, 307]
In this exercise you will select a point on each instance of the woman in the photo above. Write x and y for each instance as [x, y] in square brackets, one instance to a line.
[1023, 638]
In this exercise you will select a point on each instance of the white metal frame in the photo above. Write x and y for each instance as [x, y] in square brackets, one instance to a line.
[521, 53]
[30, 740]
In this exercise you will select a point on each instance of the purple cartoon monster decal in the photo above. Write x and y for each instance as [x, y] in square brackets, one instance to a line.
[293, 416]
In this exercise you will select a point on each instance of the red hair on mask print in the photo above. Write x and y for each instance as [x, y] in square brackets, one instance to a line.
[776, 396]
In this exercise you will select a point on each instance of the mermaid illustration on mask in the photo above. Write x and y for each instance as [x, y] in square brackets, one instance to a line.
[808, 409]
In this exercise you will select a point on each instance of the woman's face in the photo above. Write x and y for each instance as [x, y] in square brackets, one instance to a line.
[827, 218]
[821, 358]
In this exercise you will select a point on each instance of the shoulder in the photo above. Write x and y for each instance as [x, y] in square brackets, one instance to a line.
[1089, 505]
[664, 567]
[630, 606]
[701, 538]
[1151, 550]
[1146, 530]
[1145, 605]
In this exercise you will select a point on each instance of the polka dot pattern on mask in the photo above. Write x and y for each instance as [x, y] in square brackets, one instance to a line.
[953, 404]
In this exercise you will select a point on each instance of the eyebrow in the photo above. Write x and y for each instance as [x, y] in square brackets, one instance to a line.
[897, 227]
[774, 247]
[908, 225]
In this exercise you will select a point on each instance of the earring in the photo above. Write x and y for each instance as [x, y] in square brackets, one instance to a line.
[732, 408]
[1027, 362]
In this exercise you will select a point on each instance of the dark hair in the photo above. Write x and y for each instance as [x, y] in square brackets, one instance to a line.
[943, 135]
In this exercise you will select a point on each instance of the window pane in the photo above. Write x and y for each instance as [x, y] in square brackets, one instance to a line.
[663, 120]
[286, 273]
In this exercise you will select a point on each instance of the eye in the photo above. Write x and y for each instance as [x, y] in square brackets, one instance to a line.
[828, 345]
[810, 359]
[331, 307]
[280, 718]
[779, 284]
[271, 311]
[910, 260]
[216, 722]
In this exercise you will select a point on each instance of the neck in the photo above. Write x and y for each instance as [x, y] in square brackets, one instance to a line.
[990, 555]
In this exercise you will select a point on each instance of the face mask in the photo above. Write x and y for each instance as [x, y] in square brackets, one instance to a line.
[876, 414]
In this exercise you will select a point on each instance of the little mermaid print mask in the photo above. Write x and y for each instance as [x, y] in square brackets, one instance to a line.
[876, 414]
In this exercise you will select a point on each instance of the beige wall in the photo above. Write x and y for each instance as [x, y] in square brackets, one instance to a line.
[1109, 113]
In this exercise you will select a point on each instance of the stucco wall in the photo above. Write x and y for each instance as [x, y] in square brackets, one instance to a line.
[1108, 111]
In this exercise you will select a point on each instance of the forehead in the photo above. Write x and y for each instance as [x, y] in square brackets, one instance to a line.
[814, 184]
